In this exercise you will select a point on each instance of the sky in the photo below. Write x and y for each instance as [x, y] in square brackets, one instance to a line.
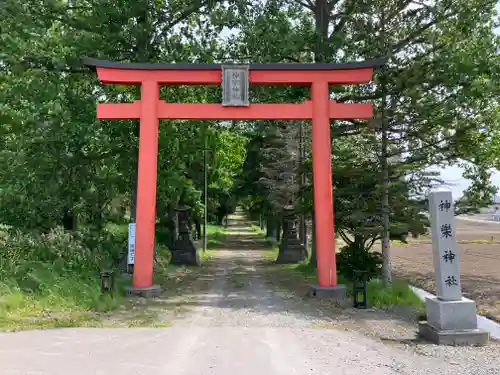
[452, 176]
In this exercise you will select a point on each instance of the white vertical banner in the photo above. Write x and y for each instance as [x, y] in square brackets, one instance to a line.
[131, 243]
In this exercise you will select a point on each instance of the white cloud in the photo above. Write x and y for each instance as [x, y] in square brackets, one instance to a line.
[453, 177]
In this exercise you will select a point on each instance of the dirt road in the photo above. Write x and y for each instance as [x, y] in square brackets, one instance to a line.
[241, 324]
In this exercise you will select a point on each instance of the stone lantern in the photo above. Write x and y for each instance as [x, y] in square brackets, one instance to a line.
[291, 249]
[184, 250]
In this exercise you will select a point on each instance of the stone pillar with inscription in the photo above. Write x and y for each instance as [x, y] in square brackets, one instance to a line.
[451, 318]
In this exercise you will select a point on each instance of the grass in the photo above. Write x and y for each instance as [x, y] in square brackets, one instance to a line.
[215, 234]
[256, 229]
[399, 294]
[490, 241]
[44, 297]
[65, 301]
[272, 255]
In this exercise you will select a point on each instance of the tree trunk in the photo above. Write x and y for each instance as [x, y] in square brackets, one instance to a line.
[302, 177]
[386, 243]
[322, 21]
[278, 228]
[359, 241]
[270, 228]
[133, 197]
[144, 51]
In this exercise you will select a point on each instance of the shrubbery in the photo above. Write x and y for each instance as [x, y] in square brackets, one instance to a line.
[352, 258]
[63, 251]
[55, 271]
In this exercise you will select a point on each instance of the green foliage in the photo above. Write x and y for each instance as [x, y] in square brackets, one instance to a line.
[438, 93]
[56, 273]
[65, 252]
[358, 194]
[56, 153]
[354, 258]
[399, 294]
[480, 192]
[164, 236]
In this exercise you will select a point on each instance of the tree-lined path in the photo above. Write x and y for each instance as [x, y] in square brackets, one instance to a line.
[243, 321]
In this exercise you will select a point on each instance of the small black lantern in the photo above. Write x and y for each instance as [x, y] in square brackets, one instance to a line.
[107, 281]
[359, 287]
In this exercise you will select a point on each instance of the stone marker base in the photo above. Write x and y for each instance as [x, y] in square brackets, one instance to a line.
[337, 292]
[446, 315]
[190, 258]
[458, 337]
[291, 254]
[149, 292]
[452, 323]
[184, 251]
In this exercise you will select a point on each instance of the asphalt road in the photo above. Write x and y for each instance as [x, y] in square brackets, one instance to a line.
[194, 351]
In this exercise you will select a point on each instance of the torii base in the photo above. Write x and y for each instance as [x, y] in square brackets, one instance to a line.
[149, 292]
[338, 292]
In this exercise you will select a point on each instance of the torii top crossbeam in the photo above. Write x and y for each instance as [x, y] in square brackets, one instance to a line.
[210, 74]
[205, 74]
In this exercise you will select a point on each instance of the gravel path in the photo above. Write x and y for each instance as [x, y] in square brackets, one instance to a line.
[266, 330]
[241, 325]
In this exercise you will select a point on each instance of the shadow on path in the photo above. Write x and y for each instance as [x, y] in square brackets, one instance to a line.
[241, 286]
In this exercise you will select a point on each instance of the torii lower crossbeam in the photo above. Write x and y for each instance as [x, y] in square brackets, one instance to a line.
[150, 109]
[181, 111]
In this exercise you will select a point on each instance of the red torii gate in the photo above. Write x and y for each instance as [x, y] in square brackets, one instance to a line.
[150, 109]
